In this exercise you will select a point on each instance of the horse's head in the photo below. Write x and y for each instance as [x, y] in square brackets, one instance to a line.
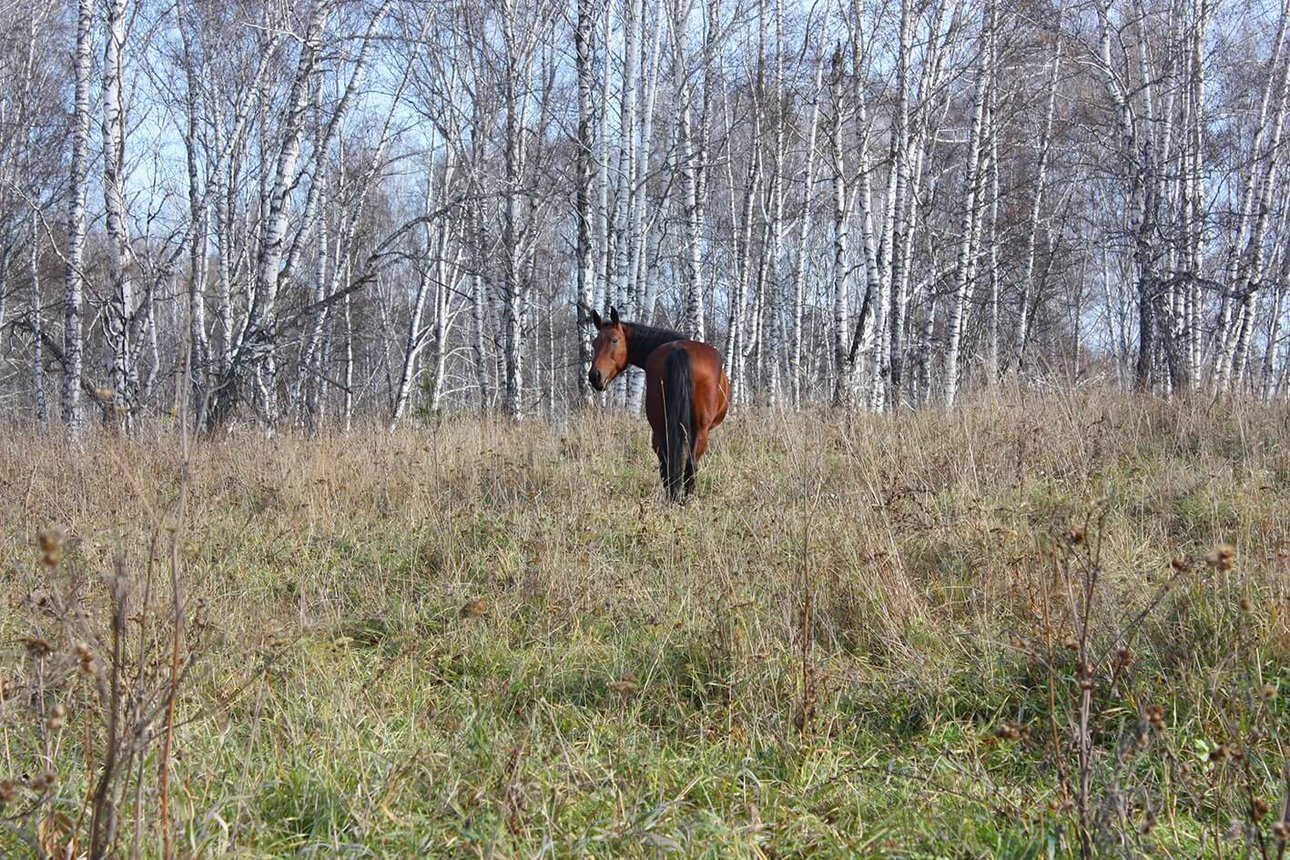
[609, 350]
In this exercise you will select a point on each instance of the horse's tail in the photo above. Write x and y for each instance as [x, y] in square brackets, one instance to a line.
[678, 386]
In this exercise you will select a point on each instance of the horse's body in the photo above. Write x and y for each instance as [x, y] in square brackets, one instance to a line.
[686, 391]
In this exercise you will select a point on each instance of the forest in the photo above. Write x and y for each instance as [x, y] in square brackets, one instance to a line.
[306, 214]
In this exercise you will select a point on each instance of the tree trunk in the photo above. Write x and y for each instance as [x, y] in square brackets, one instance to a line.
[586, 177]
[897, 210]
[1036, 207]
[795, 370]
[970, 236]
[72, 338]
[841, 292]
[37, 328]
[693, 319]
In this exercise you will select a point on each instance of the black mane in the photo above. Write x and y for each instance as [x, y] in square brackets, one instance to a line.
[643, 339]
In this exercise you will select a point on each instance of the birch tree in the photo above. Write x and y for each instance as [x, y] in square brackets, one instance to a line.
[79, 179]
[973, 207]
[586, 167]
[124, 318]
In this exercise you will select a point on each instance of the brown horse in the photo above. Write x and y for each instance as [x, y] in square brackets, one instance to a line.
[686, 391]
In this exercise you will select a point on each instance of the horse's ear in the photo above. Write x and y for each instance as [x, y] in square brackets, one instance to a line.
[613, 315]
[596, 320]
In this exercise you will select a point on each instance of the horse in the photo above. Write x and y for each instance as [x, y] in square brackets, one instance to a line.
[686, 391]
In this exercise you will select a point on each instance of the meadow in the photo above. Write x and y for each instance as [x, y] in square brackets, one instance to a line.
[1039, 625]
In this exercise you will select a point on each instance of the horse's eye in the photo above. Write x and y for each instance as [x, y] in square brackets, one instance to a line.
[614, 341]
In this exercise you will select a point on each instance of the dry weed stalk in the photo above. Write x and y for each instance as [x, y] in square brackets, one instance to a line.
[1112, 725]
[98, 683]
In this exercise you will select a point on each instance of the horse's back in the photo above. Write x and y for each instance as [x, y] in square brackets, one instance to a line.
[711, 387]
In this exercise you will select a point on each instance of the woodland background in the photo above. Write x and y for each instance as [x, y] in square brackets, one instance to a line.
[334, 209]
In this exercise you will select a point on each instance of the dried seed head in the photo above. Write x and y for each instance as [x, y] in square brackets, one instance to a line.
[56, 716]
[1077, 535]
[626, 685]
[37, 647]
[51, 546]
[1071, 645]
[8, 791]
[1008, 732]
[1246, 605]
[1258, 808]
[1221, 557]
[1180, 564]
[1269, 691]
[474, 608]
[1218, 753]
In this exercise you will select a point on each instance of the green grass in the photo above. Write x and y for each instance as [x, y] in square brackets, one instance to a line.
[635, 684]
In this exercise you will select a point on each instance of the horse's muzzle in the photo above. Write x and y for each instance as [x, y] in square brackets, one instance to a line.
[597, 382]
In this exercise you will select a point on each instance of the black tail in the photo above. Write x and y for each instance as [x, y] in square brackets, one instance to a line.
[678, 386]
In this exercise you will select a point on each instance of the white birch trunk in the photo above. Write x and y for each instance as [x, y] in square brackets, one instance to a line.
[605, 222]
[1036, 207]
[795, 369]
[627, 131]
[1195, 196]
[198, 207]
[897, 210]
[693, 318]
[121, 321]
[586, 168]
[72, 337]
[37, 328]
[513, 311]
[841, 293]
[868, 336]
[970, 235]
[640, 298]
[736, 348]
[773, 300]
[5, 251]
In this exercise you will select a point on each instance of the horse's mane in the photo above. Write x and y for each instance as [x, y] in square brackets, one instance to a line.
[643, 339]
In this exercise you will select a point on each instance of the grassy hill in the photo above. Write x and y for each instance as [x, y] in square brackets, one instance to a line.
[1021, 628]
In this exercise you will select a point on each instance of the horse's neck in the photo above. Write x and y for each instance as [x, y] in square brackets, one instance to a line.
[641, 342]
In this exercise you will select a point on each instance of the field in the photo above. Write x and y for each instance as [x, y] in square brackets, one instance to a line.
[1033, 626]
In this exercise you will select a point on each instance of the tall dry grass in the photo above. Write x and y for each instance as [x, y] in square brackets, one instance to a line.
[976, 633]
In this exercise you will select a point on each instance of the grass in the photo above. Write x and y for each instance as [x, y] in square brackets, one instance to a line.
[474, 639]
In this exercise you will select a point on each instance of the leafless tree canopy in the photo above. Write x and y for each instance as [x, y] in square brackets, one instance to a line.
[302, 213]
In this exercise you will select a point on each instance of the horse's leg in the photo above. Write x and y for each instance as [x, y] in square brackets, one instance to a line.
[700, 445]
[659, 444]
